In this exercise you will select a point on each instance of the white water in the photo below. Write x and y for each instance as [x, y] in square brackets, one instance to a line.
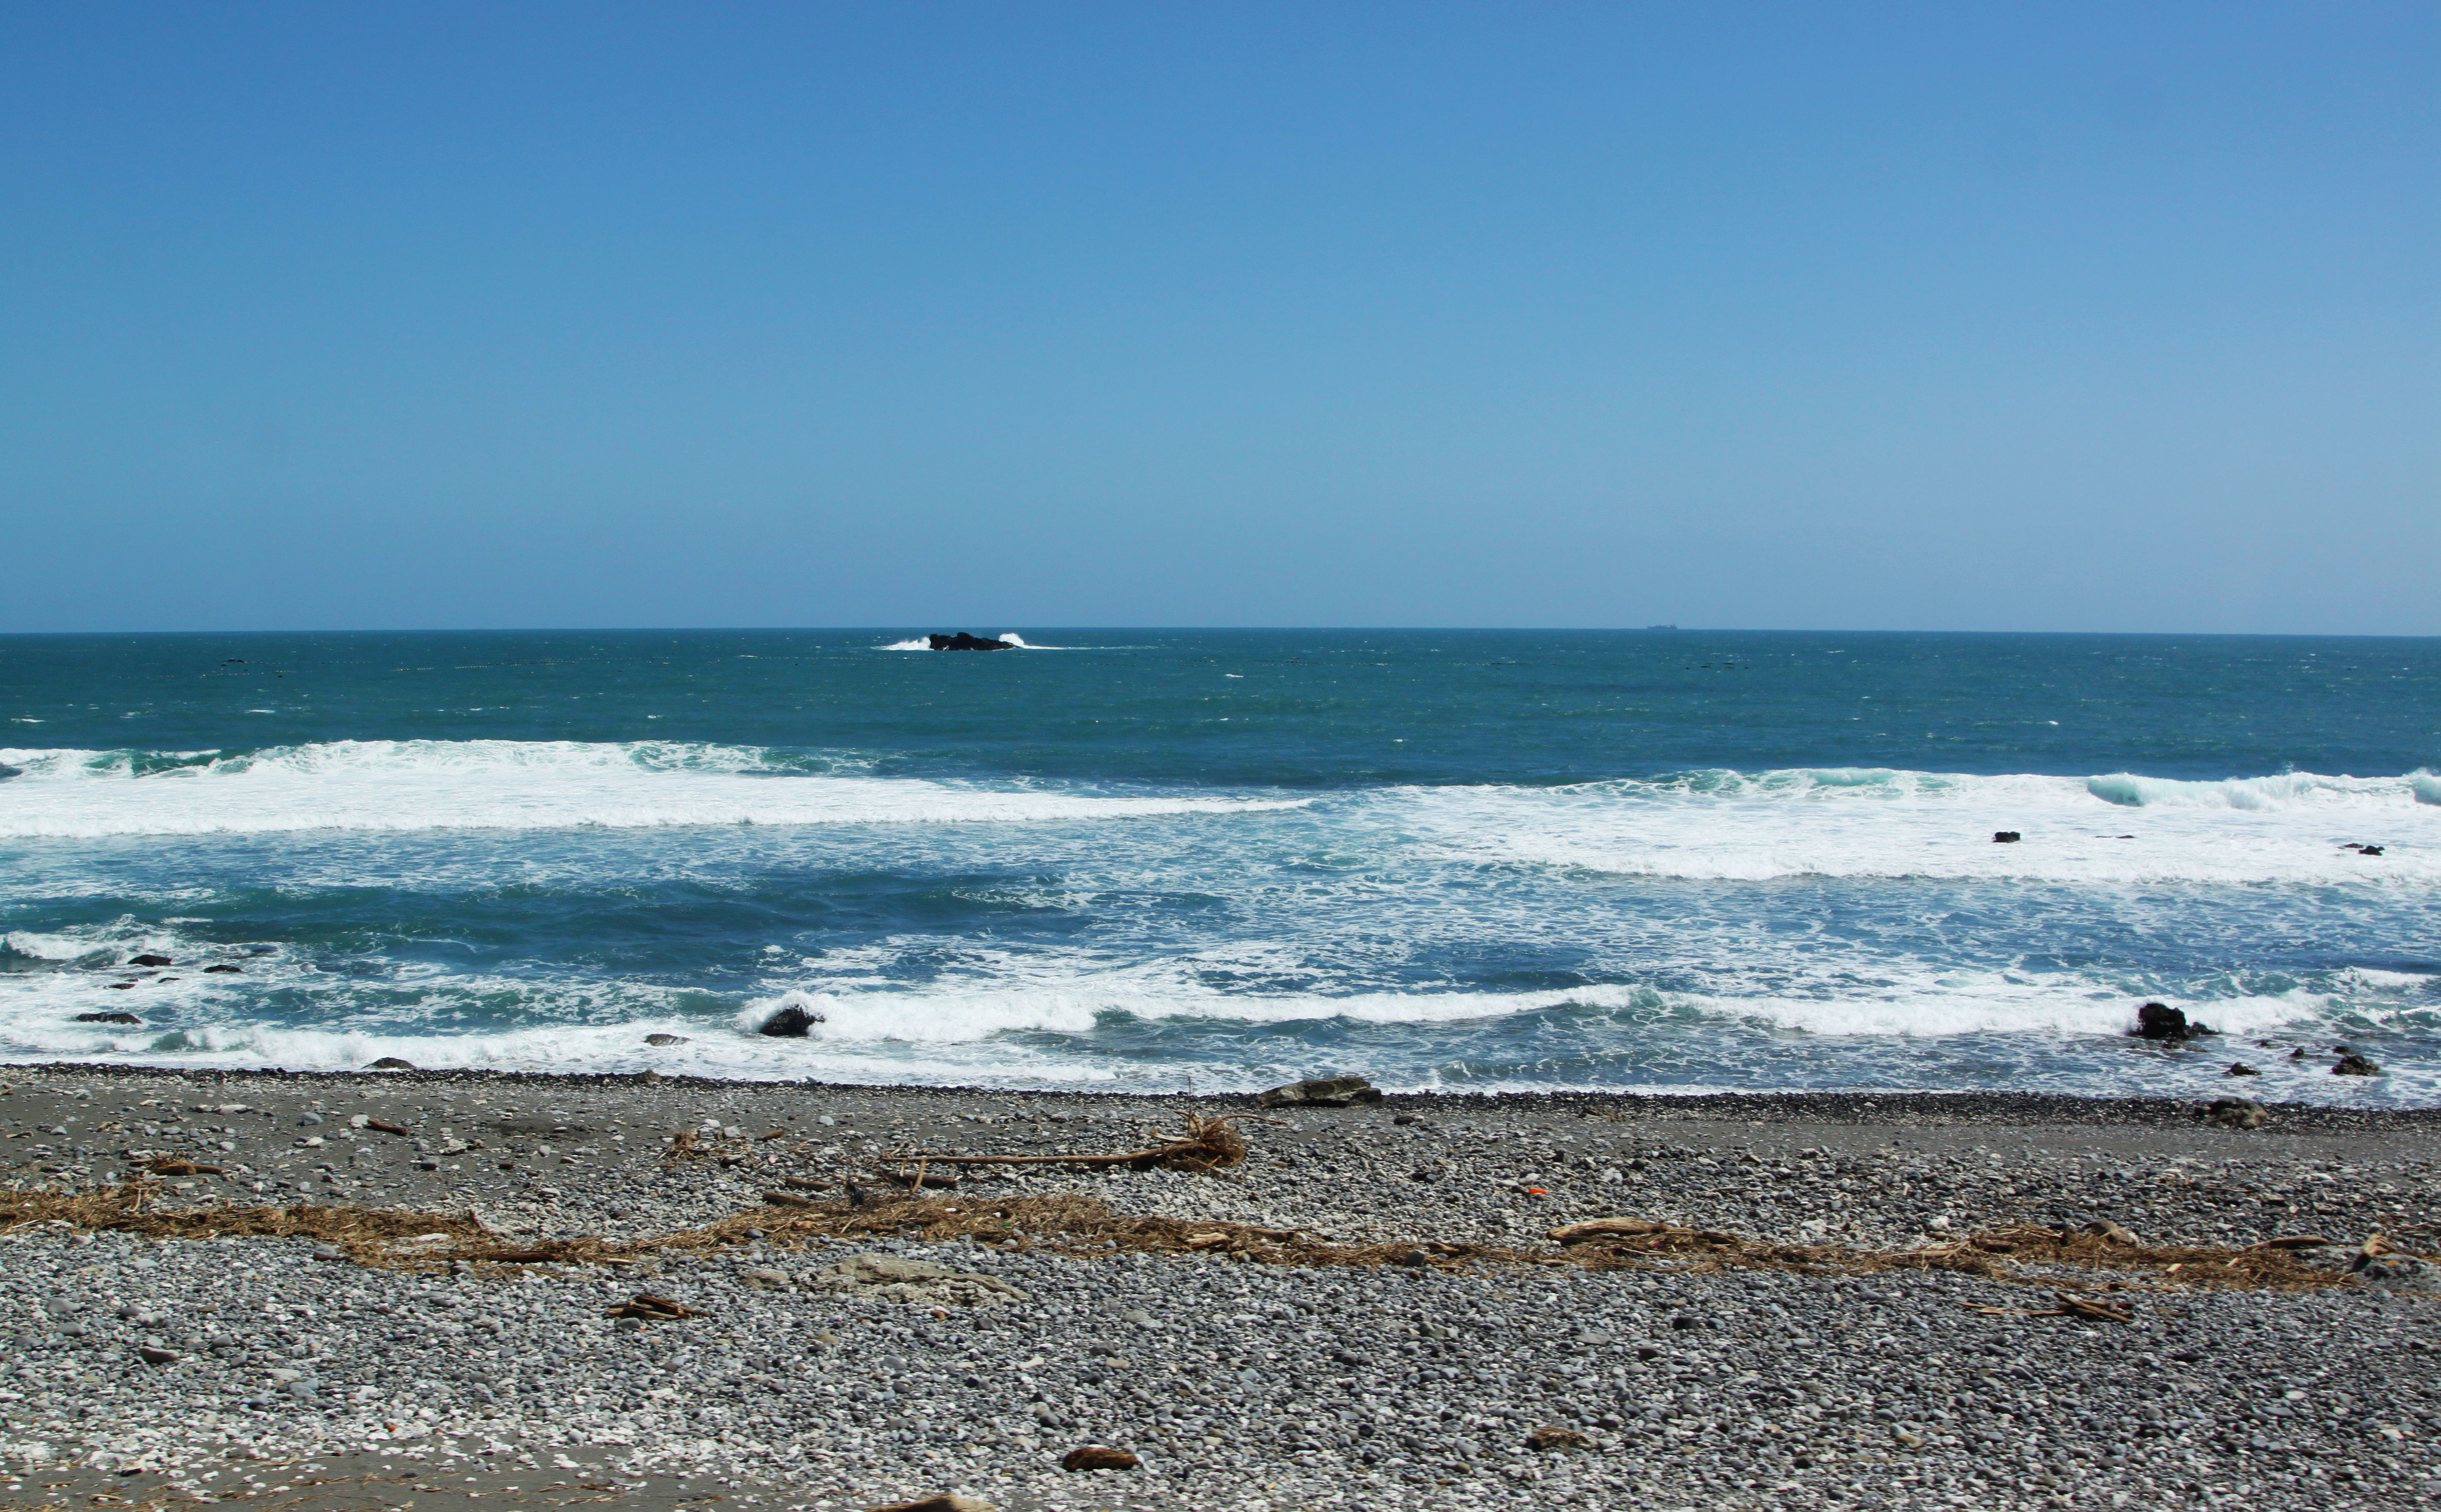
[2116, 829]
[504, 785]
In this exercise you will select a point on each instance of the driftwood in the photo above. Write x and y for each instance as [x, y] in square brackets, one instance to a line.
[1209, 1144]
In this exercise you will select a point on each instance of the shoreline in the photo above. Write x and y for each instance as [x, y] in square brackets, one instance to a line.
[1688, 1380]
[1984, 1104]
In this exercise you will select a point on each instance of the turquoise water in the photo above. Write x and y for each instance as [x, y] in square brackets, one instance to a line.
[1157, 859]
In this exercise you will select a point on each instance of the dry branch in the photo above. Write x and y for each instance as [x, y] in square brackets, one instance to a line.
[1209, 1144]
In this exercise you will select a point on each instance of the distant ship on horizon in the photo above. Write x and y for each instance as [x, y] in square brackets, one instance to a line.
[1661, 627]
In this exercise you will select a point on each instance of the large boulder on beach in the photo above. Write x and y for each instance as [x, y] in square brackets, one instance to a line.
[962, 642]
[1324, 1092]
[904, 1278]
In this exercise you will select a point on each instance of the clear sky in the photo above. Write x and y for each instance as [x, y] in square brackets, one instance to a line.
[2113, 316]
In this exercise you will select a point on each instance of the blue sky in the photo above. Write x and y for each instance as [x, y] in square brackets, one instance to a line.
[2028, 317]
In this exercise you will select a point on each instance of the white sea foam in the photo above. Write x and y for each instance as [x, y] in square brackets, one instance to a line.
[1873, 823]
[503, 785]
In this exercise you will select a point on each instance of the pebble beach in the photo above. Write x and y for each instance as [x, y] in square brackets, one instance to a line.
[1379, 1316]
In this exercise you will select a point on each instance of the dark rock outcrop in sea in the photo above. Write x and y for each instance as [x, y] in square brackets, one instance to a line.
[790, 1023]
[2159, 1020]
[962, 642]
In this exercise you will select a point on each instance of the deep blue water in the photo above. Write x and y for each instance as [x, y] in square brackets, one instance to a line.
[1463, 858]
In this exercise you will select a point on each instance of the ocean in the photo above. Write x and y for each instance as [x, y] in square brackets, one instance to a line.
[1214, 861]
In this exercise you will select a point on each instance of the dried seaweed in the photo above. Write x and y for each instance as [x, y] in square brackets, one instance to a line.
[1075, 1224]
[1206, 1144]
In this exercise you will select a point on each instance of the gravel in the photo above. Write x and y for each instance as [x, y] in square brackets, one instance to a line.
[805, 1380]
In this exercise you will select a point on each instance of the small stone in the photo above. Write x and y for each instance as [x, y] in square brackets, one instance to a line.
[1099, 1457]
[764, 1278]
[940, 1503]
[156, 1357]
[2238, 1112]
[391, 1063]
[1554, 1436]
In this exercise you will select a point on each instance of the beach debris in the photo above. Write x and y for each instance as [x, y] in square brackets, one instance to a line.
[2109, 1232]
[937, 1180]
[650, 1308]
[2292, 1241]
[2377, 1264]
[1324, 1092]
[2239, 1068]
[391, 1063]
[1205, 1145]
[1552, 1436]
[384, 1126]
[1606, 1229]
[2238, 1112]
[2159, 1020]
[150, 961]
[120, 1018]
[1099, 1457]
[787, 1199]
[791, 1023]
[902, 1278]
[2006, 836]
[946, 1502]
[171, 1165]
[2075, 1307]
[2352, 1064]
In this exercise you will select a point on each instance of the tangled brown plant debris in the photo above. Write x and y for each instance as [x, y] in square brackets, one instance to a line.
[1073, 1224]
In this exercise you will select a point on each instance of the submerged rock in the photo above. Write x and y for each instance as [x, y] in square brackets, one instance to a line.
[391, 1063]
[2353, 1063]
[664, 1041]
[108, 1018]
